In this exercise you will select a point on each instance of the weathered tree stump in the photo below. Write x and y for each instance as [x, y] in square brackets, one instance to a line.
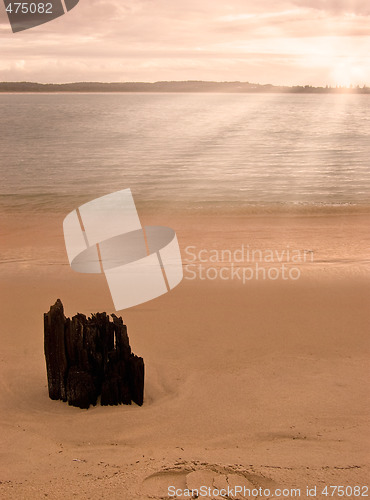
[90, 357]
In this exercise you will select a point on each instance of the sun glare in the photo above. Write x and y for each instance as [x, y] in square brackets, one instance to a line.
[347, 74]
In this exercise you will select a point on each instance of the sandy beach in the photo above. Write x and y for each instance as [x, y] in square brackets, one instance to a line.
[262, 384]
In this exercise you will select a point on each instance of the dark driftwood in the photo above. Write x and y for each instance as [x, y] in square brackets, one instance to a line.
[88, 357]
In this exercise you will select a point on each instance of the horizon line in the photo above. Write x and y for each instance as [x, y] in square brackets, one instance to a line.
[177, 86]
[220, 82]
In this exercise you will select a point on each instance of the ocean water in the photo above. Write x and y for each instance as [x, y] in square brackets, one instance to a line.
[190, 151]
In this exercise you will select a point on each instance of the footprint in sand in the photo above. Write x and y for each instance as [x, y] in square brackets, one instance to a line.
[193, 477]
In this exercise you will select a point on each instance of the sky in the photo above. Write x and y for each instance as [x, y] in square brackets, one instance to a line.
[283, 42]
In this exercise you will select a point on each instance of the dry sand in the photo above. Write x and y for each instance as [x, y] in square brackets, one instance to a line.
[262, 384]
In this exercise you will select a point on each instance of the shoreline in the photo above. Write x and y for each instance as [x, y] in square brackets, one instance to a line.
[336, 241]
[55, 204]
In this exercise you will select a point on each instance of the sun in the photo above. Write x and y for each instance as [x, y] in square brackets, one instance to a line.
[347, 73]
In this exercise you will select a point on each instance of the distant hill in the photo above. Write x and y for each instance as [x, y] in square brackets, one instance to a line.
[185, 86]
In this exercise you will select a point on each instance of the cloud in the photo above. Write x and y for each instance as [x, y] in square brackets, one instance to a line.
[359, 7]
[287, 41]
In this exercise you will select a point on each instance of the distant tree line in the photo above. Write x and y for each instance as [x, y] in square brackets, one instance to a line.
[185, 86]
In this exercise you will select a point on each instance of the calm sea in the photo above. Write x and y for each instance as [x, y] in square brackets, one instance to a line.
[223, 151]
